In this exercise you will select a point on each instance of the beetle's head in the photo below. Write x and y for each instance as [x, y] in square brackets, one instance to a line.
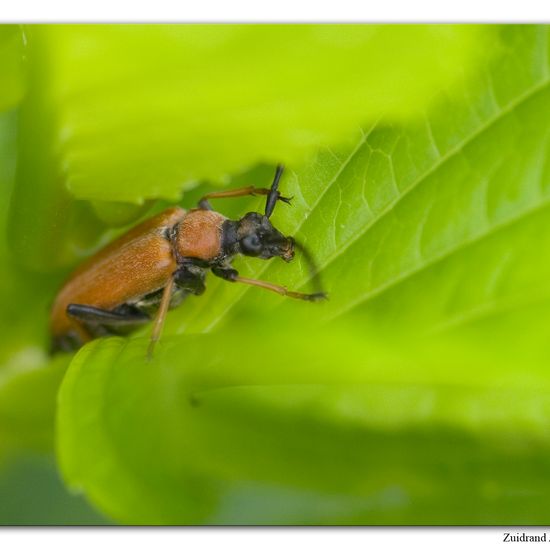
[254, 235]
[257, 237]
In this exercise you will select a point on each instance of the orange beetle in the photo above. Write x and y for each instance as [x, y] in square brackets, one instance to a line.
[152, 267]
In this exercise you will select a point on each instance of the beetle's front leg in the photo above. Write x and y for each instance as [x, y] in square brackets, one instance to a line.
[225, 273]
[230, 274]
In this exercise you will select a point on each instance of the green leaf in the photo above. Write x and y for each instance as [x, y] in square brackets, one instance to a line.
[25, 297]
[31, 493]
[12, 77]
[406, 210]
[174, 440]
[28, 380]
[28, 398]
[129, 113]
[434, 226]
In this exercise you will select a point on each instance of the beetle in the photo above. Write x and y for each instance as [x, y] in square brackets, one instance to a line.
[151, 268]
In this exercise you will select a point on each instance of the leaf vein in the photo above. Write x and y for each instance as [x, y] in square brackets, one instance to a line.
[457, 149]
[442, 256]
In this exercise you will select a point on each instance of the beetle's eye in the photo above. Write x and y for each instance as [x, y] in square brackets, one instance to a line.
[251, 245]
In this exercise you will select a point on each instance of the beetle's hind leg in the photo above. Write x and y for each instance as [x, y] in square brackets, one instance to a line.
[123, 315]
[68, 342]
[101, 321]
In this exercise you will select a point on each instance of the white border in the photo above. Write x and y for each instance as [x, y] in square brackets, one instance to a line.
[260, 538]
[159, 11]
[287, 11]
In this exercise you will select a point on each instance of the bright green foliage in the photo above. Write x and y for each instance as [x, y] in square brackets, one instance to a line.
[129, 113]
[28, 380]
[28, 391]
[417, 394]
[437, 222]
[297, 425]
[12, 78]
[136, 122]
[437, 226]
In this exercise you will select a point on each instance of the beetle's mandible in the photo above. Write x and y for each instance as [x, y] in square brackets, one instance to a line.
[151, 268]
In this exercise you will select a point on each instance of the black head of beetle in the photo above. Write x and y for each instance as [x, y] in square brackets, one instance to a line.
[257, 237]
[254, 235]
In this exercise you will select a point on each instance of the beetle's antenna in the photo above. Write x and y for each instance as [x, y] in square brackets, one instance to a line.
[274, 191]
[313, 270]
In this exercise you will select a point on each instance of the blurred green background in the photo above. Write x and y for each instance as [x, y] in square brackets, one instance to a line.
[417, 157]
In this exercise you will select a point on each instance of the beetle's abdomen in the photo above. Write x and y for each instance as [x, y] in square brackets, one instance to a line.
[199, 235]
[137, 263]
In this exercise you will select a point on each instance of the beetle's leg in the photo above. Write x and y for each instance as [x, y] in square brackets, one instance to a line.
[190, 278]
[67, 342]
[101, 322]
[161, 316]
[240, 192]
[149, 304]
[95, 316]
[232, 275]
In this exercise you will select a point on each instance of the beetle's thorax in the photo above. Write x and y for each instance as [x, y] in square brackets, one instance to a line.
[230, 238]
[199, 235]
